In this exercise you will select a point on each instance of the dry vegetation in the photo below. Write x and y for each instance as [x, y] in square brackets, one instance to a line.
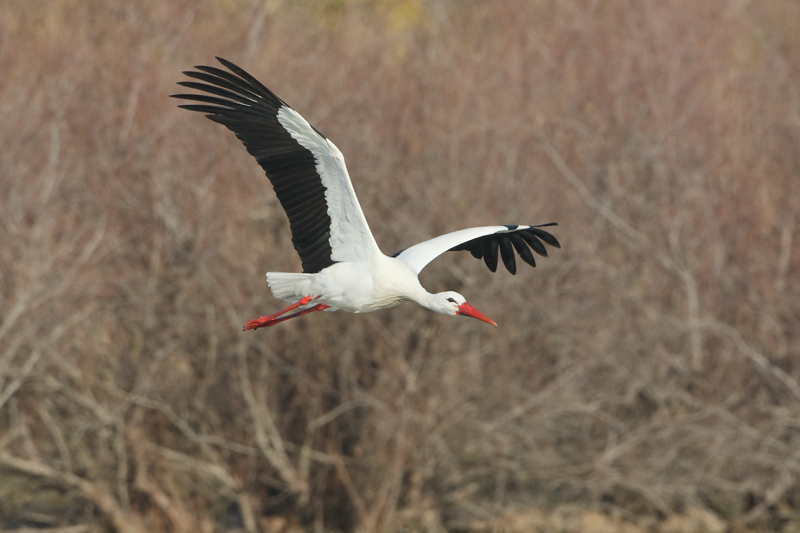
[647, 371]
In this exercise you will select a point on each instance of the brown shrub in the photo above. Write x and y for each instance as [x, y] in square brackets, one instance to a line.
[648, 367]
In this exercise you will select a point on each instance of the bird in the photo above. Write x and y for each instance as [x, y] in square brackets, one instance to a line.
[343, 267]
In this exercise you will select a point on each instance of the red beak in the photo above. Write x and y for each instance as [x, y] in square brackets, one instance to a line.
[466, 309]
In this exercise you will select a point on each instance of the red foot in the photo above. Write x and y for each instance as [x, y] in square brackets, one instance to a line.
[271, 320]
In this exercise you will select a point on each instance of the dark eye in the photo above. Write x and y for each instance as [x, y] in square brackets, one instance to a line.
[451, 300]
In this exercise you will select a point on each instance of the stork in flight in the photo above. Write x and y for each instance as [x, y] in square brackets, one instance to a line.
[343, 268]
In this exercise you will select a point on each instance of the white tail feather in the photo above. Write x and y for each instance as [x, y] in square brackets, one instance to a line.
[289, 286]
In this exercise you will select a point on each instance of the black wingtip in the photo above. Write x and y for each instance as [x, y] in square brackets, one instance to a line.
[549, 238]
[524, 240]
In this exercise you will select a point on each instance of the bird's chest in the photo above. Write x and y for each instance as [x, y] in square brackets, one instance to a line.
[361, 288]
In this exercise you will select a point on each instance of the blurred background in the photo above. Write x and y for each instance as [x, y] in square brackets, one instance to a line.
[645, 377]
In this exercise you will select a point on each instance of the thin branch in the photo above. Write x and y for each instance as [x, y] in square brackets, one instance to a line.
[93, 491]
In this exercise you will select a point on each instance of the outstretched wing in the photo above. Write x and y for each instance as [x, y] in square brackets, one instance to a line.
[306, 170]
[484, 243]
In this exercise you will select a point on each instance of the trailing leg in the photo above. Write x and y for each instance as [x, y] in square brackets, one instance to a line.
[271, 320]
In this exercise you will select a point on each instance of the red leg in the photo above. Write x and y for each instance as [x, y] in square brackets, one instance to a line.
[271, 320]
[318, 307]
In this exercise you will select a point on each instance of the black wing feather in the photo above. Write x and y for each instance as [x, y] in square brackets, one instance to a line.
[535, 243]
[522, 249]
[241, 103]
[507, 254]
[546, 237]
[490, 247]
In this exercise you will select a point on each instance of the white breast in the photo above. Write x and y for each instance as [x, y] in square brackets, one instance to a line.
[367, 286]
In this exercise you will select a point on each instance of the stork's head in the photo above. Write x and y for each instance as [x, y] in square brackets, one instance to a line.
[452, 303]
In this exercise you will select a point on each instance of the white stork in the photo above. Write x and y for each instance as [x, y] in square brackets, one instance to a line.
[343, 268]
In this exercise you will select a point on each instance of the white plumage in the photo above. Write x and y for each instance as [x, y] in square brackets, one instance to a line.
[343, 268]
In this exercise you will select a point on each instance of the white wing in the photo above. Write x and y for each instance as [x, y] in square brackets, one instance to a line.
[484, 243]
[350, 236]
[306, 170]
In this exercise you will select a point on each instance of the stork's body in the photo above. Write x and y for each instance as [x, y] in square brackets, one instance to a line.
[343, 268]
[353, 287]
